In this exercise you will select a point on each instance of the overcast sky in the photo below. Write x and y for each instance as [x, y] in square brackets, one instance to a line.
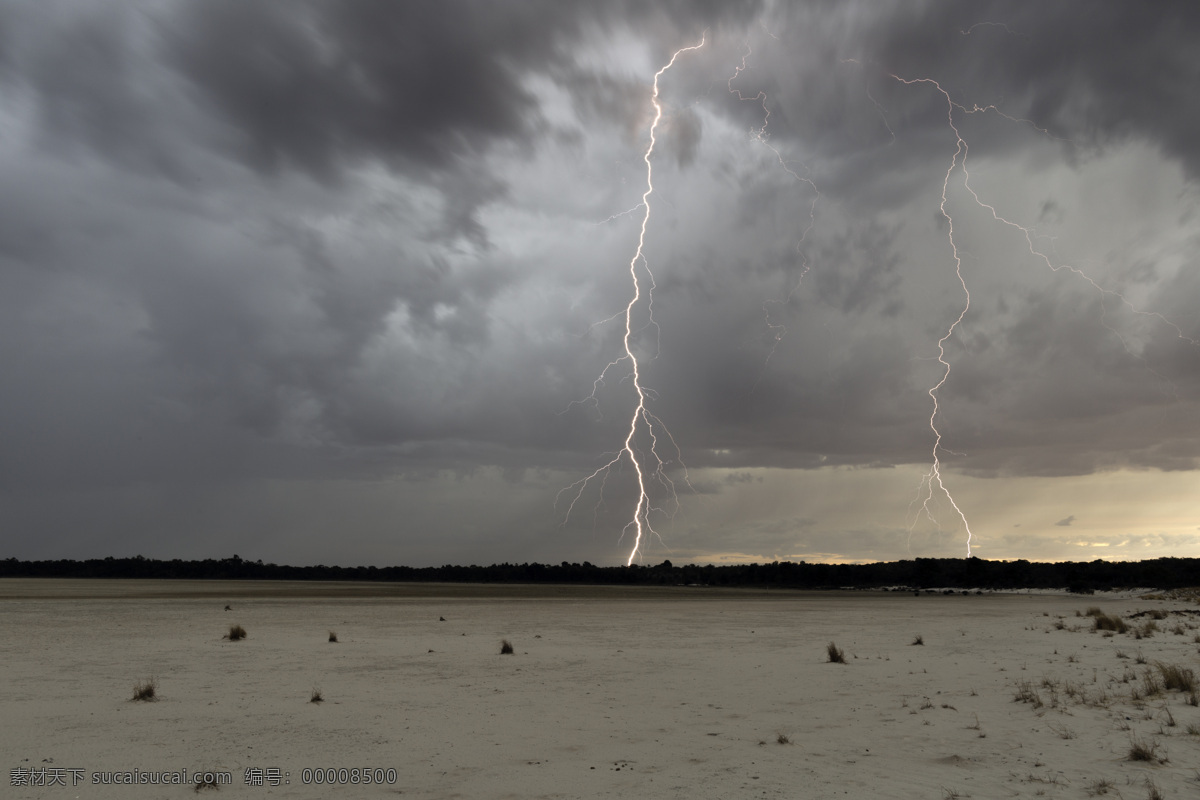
[333, 282]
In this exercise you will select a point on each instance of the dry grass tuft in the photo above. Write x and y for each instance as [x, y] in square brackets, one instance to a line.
[783, 739]
[236, 633]
[919, 640]
[1141, 750]
[835, 654]
[506, 648]
[145, 691]
[1177, 678]
[1027, 694]
[1105, 622]
[316, 696]
[333, 636]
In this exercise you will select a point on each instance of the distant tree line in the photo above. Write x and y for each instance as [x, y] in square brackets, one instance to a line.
[920, 573]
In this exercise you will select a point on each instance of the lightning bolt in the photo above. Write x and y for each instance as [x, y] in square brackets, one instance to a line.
[934, 475]
[761, 136]
[641, 419]
[959, 161]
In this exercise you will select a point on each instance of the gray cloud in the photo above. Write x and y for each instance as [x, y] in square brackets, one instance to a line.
[246, 245]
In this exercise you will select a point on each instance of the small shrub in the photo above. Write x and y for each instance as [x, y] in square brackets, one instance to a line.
[783, 739]
[316, 696]
[506, 648]
[1177, 678]
[1158, 613]
[1103, 786]
[919, 640]
[1063, 731]
[236, 633]
[1141, 750]
[333, 636]
[145, 691]
[1027, 694]
[1094, 611]
[836, 656]
[1104, 622]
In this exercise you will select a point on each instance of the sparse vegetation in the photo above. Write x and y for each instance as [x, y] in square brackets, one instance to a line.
[1063, 731]
[835, 654]
[1105, 622]
[316, 696]
[1102, 786]
[1027, 694]
[506, 648]
[205, 783]
[783, 739]
[920, 640]
[1177, 678]
[1152, 792]
[236, 633]
[1141, 750]
[146, 690]
[333, 636]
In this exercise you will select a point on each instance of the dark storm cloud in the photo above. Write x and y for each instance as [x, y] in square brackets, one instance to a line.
[340, 241]
[311, 85]
[1093, 71]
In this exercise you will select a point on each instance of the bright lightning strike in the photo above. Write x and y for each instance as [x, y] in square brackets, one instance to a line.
[934, 475]
[641, 419]
[959, 161]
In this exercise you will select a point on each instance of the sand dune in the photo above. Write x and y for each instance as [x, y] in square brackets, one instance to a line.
[609, 693]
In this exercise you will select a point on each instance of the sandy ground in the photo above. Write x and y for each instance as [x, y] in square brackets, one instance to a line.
[610, 692]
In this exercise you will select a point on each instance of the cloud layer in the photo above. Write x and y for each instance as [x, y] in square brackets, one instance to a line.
[335, 280]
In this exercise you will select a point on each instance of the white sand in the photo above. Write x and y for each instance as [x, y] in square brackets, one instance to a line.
[611, 693]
